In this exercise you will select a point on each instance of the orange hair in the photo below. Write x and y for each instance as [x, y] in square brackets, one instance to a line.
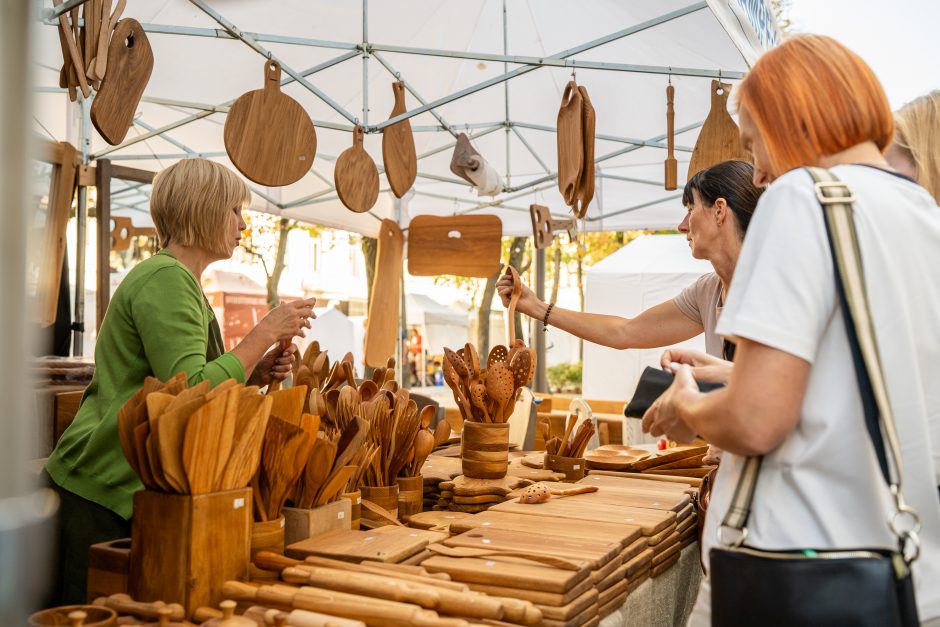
[811, 97]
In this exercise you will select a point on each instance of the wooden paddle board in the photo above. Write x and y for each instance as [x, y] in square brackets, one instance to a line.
[505, 573]
[458, 245]
[624, 535]
[719, 140]
[392, 545]
[130, 63]
[398, 148]
[382, 325]
[356, 178]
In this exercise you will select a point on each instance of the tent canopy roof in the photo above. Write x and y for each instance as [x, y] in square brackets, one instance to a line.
[625, 52]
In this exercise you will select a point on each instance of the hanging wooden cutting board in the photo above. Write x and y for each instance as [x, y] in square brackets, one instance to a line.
[719, 140]
[268, 135]
[585, 191]
[458, 245]
[570, 143]
[130, 62]
[356, 177]
[383, 326]
[398, 148]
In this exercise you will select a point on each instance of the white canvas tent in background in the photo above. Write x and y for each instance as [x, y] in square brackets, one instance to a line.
[647, 271]
[454, 56]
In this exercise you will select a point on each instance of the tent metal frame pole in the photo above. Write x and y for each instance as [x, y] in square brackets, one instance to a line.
[65, 7]
[411, 90]
[506, 94]
[222, 108]
[254, 45]
[450, 145]
[630, 179]
[594, 43]
[525, 142]
[219, 33]
[605, 137]
[365, 63]
[455, 199]
[643, 205]
[499, 203]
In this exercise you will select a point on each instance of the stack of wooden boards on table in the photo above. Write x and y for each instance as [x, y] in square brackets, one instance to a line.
[682, 461]
[465, 494]
[618, 537]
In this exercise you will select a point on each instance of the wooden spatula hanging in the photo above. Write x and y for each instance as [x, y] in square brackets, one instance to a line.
[355, 176]
[385, 301]
[130, 62]
[719, 140]
[672, 166]
[398, 148]
[570, 143]
[268, 135]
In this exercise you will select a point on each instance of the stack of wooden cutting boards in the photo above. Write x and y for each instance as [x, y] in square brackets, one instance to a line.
[436, 470]
[471, 496]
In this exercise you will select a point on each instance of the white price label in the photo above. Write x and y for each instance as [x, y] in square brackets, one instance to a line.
[341, 516]
[238, 503]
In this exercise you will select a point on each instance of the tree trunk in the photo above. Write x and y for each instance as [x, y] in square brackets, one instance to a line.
[580, 257]
[283, 229]
[369, 248]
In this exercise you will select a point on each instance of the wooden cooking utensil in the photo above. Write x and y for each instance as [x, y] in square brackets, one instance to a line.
[473, 361]
[172, 435]
[356, 177]
[254, 410]
[382, 327]
[460, 397]
[672, 166]
[585, 192]
[513, 301]
[719, 140]
[572, 420]
[398, 148]
[570, 143]
[268, 135]
[498, 353]
[334, 485]
[441, 433]
[317, 471]
[499, 386]
[424, 444]
[289, 404]
[75, 53]
[130, 63]
[460, 245]
[283, 443]
[479, 399]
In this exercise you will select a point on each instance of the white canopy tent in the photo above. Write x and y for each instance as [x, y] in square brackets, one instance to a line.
[493, 68]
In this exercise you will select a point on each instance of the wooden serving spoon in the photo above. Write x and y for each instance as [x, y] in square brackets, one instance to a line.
[499, 386]
[513, 301]
[478, 397]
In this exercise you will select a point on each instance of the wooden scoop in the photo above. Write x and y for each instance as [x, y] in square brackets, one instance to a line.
[513, 301]
[467, 551]
[424, 444]
[355, 176]
[521, 366]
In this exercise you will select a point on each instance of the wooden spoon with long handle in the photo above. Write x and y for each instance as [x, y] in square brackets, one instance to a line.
[513, 301]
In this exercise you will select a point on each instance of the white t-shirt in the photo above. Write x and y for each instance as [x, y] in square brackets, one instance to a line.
[821, 487]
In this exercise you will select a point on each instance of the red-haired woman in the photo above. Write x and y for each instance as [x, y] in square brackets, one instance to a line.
[792, 396]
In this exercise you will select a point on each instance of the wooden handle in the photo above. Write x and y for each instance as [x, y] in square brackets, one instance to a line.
[513, 301]
[269, 560]
[357, 136]
[203, 614]
[365, 584]
[124, 604]
[306, 618]
[398, 88]
[74, 52]
[272, 76]
[572, 491]
[672, 167]
[548, 560]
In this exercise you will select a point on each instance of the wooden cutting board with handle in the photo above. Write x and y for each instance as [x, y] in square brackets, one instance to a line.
[459, 245]
[650, 521]
[674, 501]
[595, 552]
[398, 148]
[356, 177]
[500, 573]
[570, 143]
[382, 326]
[394, 545]
[268, 135]
[719, 140]
[624, 535]
[130, 63]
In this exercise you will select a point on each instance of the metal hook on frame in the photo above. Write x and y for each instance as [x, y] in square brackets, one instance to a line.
[670, 75]
[574, 72]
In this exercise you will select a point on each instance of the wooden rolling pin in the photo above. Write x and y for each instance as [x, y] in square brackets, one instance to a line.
[374, 612]
[125, 604]
[384, 587]
[514, 610]
[268, 560]
[300, 618]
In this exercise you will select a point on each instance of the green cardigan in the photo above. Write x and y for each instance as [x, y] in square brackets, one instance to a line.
[158, 324]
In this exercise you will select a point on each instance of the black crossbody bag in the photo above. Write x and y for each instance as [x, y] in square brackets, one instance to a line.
[858, 587]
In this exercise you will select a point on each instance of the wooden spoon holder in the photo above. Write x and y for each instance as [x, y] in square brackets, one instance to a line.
[383, 496]
[301, 524]
[573, 467]
[410, 496]
[355, 507]
[184, 547]
[266, 536]
[484, 450]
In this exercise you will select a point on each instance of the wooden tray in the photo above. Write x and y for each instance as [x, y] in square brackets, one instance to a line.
[500, 573]
[615, 457]
[624, 535]
[672, 500]
[667, 457]
[539, 597]
[385, 544]
[650, 521]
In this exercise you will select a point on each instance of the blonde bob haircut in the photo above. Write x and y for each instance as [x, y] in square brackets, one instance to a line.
[192, 203]
[811, 97]
[918, 132]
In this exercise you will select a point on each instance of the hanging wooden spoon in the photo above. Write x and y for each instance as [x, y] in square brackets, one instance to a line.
[513, 301]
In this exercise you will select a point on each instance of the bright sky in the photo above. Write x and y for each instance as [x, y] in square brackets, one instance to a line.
[898, 39]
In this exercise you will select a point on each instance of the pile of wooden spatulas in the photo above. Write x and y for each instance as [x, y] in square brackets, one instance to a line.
[572, 444]
[488, 394]
[194, 440]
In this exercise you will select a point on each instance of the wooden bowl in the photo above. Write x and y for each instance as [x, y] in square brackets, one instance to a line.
[573, 467]
[95, 616]
[614, 457]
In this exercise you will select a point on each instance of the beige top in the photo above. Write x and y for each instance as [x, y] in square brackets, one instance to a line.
[701, 303]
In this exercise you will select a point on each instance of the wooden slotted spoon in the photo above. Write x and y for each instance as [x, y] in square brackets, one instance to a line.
[498, 353]
[478, 397]
[499, 386]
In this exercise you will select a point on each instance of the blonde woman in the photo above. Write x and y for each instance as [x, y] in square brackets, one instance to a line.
[159, 324]
[915, 151]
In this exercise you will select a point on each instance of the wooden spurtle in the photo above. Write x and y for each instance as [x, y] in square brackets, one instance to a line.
[671, 164]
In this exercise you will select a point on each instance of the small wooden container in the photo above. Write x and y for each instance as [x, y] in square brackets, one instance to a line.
[410, 496]
[355, 507]
[108, 566]
[573, 467]
[95, 616]
[385, 496]
[484, 449]
[186, 546]
[266, 536]
[307, 523]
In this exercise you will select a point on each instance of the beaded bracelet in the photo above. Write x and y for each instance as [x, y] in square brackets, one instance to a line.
[545, 319]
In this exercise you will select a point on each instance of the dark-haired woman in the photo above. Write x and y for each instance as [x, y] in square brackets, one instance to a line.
[720, 201]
